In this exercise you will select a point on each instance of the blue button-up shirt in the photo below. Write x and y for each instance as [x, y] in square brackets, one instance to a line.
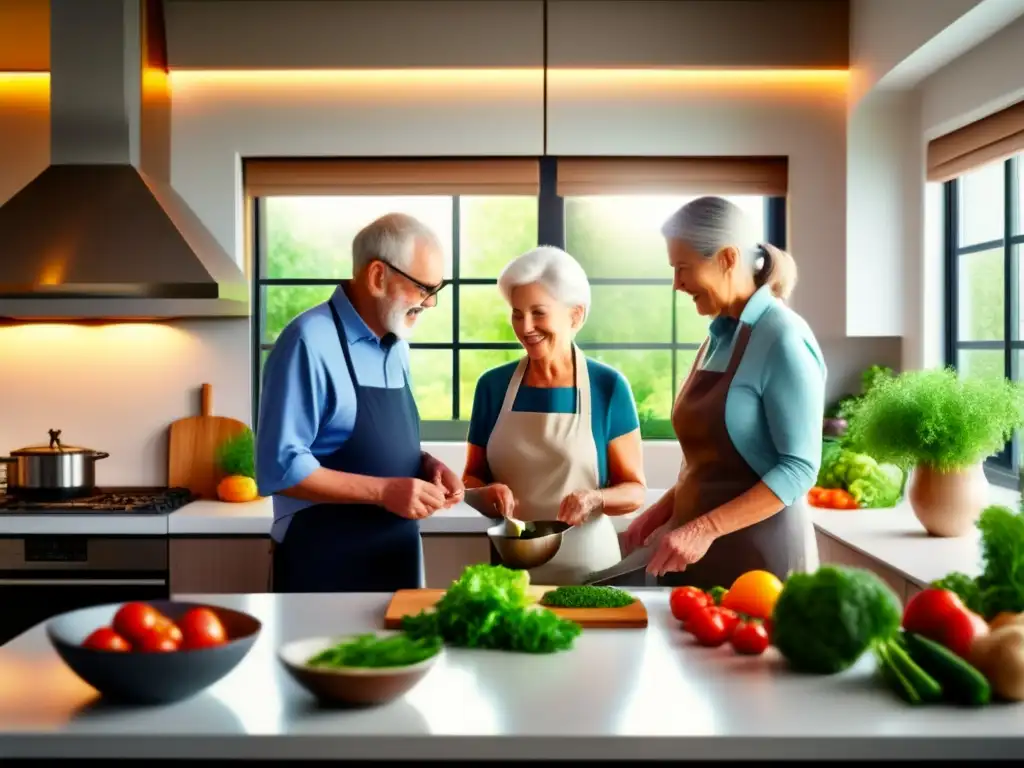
[308, 400]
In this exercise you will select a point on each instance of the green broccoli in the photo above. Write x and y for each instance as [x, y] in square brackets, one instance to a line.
[824, 621]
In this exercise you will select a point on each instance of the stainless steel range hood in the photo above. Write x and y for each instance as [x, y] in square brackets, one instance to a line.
[100, 233]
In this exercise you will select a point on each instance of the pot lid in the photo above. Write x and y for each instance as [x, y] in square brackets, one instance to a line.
[55, 446]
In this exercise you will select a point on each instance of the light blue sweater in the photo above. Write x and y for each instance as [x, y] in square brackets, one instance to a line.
[775, 404]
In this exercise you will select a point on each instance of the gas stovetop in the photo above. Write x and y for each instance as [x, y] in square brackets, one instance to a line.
[144, 501]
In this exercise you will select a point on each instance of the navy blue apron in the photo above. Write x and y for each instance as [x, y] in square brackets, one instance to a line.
[359, 547]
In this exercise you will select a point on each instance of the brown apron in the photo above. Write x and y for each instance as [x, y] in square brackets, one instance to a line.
[714, 473]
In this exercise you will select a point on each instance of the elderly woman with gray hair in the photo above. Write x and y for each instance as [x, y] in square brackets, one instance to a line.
[748, 417]
[555, 435]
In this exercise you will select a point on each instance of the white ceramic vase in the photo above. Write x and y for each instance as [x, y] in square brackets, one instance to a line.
[948, 504]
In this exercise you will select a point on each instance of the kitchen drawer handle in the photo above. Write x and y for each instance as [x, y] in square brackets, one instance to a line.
[83, 582]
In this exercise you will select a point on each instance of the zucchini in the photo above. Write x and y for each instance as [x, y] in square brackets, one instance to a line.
[962, 682]
[927, 687]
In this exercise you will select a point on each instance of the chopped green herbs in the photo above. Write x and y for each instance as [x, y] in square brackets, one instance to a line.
[587, 596]
[369, 650]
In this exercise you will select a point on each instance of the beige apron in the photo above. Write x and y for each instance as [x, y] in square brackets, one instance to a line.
[542, 458]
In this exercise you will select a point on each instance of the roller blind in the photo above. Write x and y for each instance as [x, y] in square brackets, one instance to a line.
[499, 176]
[992, 138]
[675, 175]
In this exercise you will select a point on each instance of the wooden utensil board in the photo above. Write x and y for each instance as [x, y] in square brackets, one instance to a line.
[193, 443]
[406, 602]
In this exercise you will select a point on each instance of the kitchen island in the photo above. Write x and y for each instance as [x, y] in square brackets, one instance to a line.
[625, 694]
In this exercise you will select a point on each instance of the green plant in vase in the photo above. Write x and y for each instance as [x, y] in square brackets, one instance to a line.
[943, 427]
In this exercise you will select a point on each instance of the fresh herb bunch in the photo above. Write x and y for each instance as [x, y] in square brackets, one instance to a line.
[587, 596]
[488, 607]
[845, 407]
[237, 455]
[933, 418]
[369, 650]
[1000, 587]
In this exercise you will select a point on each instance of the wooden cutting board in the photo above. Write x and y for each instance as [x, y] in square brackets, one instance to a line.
[406, 602]
[193, 445]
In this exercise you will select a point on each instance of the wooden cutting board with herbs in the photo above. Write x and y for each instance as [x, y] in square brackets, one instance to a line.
[594, 607]
[196, 450]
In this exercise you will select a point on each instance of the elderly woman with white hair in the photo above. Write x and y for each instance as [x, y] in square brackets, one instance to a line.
[748, 417]
[555, 435]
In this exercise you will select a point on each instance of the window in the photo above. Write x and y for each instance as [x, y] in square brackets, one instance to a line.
[306, 218]
[984, 245]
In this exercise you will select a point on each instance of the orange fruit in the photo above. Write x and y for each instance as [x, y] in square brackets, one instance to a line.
[237, 488]
[753, 593]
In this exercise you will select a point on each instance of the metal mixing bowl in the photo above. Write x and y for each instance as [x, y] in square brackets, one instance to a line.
[536, 546]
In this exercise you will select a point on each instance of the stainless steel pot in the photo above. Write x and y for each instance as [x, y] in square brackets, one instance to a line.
[52, 472]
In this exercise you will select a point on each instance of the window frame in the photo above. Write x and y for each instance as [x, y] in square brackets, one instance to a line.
[550, 231]
[1004, 467]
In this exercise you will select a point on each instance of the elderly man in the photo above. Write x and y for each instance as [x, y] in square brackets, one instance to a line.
[338, 445]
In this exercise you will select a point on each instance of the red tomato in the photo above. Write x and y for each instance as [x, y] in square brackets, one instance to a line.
[106, 639]
[685, 600]
[940, 615]
[927, 610]
[962, 629]
[169, 629]
[750, 638]
[135, 620]
[201, 628]
[709, 627]
[768, 629]
[156, 641]
[729, 616]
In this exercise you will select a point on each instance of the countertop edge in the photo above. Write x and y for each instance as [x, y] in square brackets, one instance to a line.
[451, 746]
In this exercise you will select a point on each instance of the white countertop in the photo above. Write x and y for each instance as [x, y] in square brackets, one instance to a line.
[895, 537]
[891, 536]
[657, 696]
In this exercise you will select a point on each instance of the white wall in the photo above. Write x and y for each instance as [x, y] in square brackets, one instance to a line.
[885, 33]
[885, 165]
[984, 80]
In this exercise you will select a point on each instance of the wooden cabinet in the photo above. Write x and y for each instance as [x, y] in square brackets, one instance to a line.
[241, 565]
[445, 556]
[836, 552]
[220, 565]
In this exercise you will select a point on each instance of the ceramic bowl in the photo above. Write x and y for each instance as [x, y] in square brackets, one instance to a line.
[150, 678]
[351, 686]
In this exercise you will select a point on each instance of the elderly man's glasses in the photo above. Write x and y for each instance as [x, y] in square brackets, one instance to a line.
[425, 289]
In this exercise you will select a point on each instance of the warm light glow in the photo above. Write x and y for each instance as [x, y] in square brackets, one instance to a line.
[341, 77]
[24, 84]
[711, 76]
[737, 82]
[85, 339]
[491, 77]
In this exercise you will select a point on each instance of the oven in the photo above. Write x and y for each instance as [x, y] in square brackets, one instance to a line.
[45, 575]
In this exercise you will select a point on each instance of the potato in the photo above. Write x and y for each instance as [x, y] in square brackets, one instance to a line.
[999, 656]
[1006, 618]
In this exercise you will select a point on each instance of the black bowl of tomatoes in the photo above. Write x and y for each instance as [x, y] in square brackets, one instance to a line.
[154, 652]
